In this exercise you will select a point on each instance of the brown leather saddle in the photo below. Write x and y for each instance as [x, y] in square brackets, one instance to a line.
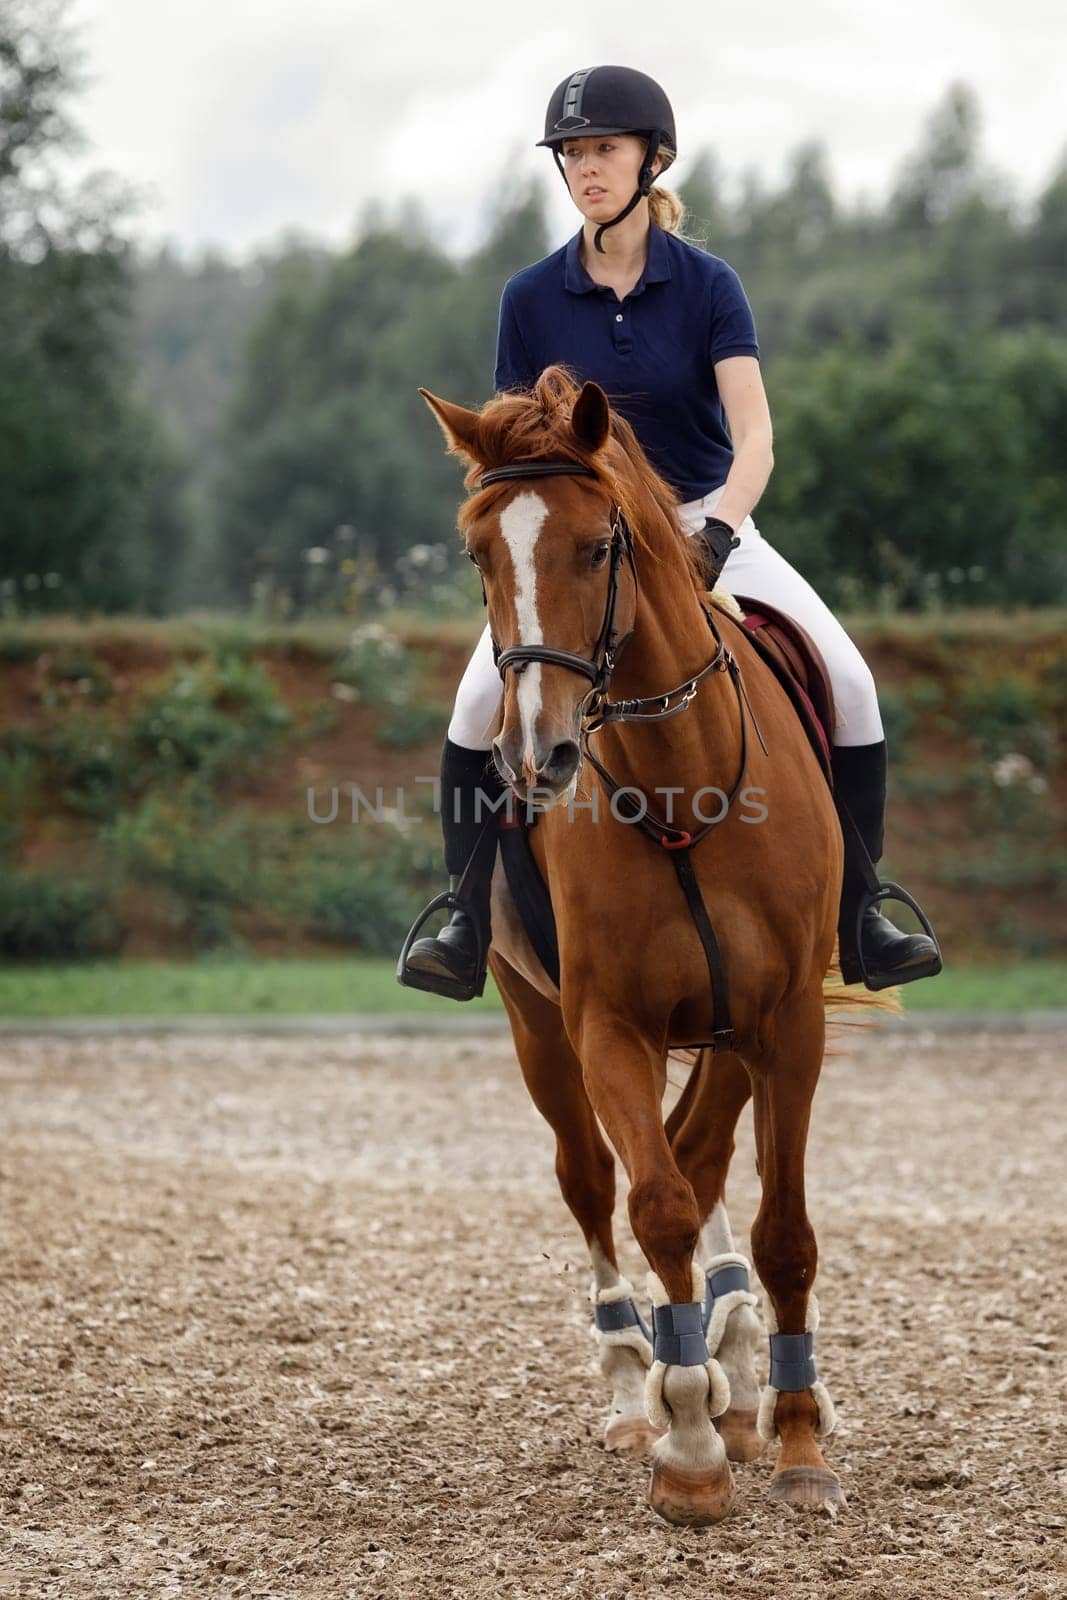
[797, 662]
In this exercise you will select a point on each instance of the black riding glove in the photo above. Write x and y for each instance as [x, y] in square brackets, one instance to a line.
[717, 539]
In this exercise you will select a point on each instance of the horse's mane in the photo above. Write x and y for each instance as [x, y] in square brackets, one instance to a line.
[536, 425]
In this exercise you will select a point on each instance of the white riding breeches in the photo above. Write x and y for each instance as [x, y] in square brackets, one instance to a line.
[754, 569]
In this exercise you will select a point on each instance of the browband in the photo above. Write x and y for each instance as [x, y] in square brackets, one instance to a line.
[534, 469]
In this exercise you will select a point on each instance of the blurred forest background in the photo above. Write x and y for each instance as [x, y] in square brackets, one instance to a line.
[230, 581]
[185, 433]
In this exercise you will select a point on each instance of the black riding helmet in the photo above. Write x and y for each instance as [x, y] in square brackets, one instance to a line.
[603, 100]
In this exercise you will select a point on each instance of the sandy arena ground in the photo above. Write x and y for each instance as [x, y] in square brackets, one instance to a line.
[287, 1318]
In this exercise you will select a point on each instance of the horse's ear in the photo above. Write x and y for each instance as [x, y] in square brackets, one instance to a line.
[591, 418]
[460, 427]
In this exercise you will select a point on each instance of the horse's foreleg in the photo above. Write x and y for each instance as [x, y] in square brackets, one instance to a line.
[585, 1168]
[795, 1408]
[624, 1350]
[685, 1388]
[703, 1145]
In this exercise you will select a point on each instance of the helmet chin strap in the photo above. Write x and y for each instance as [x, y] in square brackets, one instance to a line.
[644, 184]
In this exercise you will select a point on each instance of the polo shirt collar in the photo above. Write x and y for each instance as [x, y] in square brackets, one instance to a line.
[657, 267]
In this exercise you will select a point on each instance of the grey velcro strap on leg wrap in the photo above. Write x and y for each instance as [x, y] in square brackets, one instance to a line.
[792, 1361]
[679, 1334]
[725, 1281]
[619, 1314]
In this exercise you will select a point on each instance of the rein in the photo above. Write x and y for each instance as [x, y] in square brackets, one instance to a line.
[598, 669]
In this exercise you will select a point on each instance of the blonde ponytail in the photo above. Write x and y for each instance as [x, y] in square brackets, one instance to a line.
[665, 209]
[669, 212]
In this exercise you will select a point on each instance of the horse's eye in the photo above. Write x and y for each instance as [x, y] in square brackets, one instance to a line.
[600, 555]
[471, 556]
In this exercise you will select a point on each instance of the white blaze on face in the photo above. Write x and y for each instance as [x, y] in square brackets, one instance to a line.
[521, 523]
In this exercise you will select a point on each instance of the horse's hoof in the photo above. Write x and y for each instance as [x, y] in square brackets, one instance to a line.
[806, 1486]
[631, 1436]
[738, 1430]
[691, 1499]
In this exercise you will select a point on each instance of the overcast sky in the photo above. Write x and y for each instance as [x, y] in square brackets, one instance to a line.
[241, 118]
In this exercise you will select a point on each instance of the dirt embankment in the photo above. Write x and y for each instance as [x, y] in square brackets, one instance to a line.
[974, 708]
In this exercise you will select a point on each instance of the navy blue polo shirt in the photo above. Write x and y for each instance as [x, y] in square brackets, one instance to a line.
[653, 353]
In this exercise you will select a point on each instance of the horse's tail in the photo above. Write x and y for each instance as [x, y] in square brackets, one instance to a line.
[849, 1003]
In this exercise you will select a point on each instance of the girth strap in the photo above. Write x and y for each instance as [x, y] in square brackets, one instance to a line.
[792, 1361]
[722, 1037]
[679, 1334]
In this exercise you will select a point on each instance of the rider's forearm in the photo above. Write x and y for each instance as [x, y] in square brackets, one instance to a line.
[747, 478]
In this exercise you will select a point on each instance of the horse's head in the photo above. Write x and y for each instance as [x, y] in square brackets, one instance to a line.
[549, 550]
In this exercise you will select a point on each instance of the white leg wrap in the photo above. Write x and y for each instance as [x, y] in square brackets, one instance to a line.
[765, 1415]
[827, 1414]
[769, 1397]
[726, 1303]
[718, 1384]
[623, 1290]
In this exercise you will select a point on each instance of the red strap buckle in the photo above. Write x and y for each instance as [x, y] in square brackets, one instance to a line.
[676, 844]
[513, 814]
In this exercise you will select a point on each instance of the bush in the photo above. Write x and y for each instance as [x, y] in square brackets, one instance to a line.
[364, 900]
[897, 720]
[207, 862]
[212, 718]
[1007, 716]
[411, 724]
[385, 674]
[18, 783]
[46, 918]
[71, 673]
[1006, 866]
[376, 663]
[89, 764]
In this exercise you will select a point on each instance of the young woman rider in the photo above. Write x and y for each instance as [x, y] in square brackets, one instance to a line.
[666, 329]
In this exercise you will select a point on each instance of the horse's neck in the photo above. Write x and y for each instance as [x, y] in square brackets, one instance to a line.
[671, 642]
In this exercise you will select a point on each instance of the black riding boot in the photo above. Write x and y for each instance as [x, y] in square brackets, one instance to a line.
[449, 964]
[859, 773]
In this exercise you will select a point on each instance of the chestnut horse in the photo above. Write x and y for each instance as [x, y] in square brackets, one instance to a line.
[634, 972]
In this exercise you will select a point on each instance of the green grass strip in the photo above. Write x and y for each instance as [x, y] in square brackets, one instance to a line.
[293, 988]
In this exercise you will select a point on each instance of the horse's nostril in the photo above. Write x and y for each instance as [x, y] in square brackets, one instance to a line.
[502, 764]
[562, 763]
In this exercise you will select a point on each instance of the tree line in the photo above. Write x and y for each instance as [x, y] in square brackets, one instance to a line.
[181, 433]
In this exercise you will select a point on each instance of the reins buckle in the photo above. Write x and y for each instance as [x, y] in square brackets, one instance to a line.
[676, 844]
